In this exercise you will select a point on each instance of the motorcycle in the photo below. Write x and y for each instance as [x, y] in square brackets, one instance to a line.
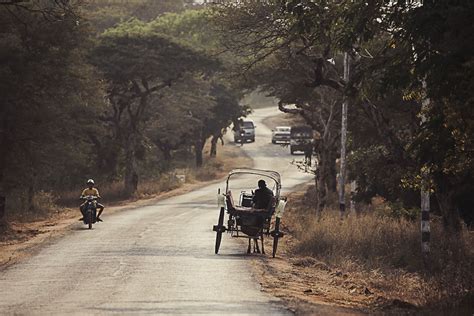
[90, 210]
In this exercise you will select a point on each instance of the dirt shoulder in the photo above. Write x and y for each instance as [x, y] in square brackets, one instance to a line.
[308, 286]
[311, 286]
[22, 239]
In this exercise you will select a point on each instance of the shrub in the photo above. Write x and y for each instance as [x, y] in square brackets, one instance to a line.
[44, 202]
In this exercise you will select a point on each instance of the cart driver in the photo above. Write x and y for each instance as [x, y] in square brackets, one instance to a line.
[262, 196]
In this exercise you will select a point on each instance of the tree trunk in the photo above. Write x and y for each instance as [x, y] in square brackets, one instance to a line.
[331, 180]
[31, 195]
[131, 173]
[166, 150]
[198, 153]
[198, 148]
[6, 145]
[214, 145]
[2, 208]
[451, 218]
[323, 177]
[3, 197]
[321, 193]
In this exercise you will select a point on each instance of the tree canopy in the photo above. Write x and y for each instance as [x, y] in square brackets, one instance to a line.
[402, 54]
[86, 97]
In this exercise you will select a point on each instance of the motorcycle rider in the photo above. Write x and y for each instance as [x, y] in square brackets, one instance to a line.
[90, 190]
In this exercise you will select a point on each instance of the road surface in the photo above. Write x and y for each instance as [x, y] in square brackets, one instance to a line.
[153, 260]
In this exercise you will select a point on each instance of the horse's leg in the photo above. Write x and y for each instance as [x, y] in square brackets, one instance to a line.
[248, 249]
[263, 247]
[256, 245]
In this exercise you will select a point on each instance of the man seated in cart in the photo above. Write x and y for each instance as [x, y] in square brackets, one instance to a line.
[262, 196]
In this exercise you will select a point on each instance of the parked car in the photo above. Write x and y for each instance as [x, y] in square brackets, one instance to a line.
[301, 139]
[245, 132]
[281, 134]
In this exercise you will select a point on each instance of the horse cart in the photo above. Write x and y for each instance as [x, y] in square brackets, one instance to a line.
[245, 221]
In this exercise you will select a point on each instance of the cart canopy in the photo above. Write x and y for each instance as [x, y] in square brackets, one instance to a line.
[275, 176]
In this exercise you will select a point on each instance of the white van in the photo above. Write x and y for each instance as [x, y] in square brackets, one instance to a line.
[281, 134]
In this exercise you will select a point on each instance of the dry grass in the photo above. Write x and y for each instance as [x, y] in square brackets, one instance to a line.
[43, 204]
[386, 252]
[228, 157]
[110, 192]
[366, 238]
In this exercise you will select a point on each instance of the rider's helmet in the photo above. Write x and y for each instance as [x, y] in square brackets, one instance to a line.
[261, 183]
[90, 182]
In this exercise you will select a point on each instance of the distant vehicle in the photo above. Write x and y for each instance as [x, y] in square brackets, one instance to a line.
[281, 134]
[245, 132]
[301, 139]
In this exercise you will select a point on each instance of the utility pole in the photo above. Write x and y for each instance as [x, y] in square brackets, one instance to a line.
[342, 173]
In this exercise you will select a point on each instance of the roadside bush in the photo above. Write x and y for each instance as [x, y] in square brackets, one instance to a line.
[372, 240]
[165, 183]
[44, 202]
[110, 192]
[383, 246]
[209, 171]
[396, 210]
[30, 209]
[380, 242]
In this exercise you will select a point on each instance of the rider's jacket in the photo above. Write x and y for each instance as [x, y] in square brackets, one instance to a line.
[262, 198]
[92, 191]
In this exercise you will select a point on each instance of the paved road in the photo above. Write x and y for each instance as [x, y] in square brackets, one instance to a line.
[152, 260]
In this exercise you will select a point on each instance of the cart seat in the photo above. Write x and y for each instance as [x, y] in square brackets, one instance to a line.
[242, 210]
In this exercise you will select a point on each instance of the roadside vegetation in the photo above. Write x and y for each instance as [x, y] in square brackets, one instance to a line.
[405, 71]
[48, 205]
[379, 248]
[409, 96]
[368, 262]
[128, 93]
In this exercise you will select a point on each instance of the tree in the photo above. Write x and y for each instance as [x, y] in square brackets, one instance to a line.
[139, 63]
[188, 108]
[395, 46]
[226, 111]
[48, 98]
[194, 28]
[280, 62]
[108, 14]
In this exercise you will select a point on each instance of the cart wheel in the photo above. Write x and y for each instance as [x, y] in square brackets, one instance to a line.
[219, 229]
[275, 245]
[276, 235]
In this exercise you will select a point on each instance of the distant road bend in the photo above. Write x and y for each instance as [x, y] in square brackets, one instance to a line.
[154, 260]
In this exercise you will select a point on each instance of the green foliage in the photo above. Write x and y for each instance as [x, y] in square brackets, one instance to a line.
[164, 90]
[132, 51]
[107, 14]
[396, 210]
[49, 95]
[191, 26]
[79, 105]
[394, 47]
